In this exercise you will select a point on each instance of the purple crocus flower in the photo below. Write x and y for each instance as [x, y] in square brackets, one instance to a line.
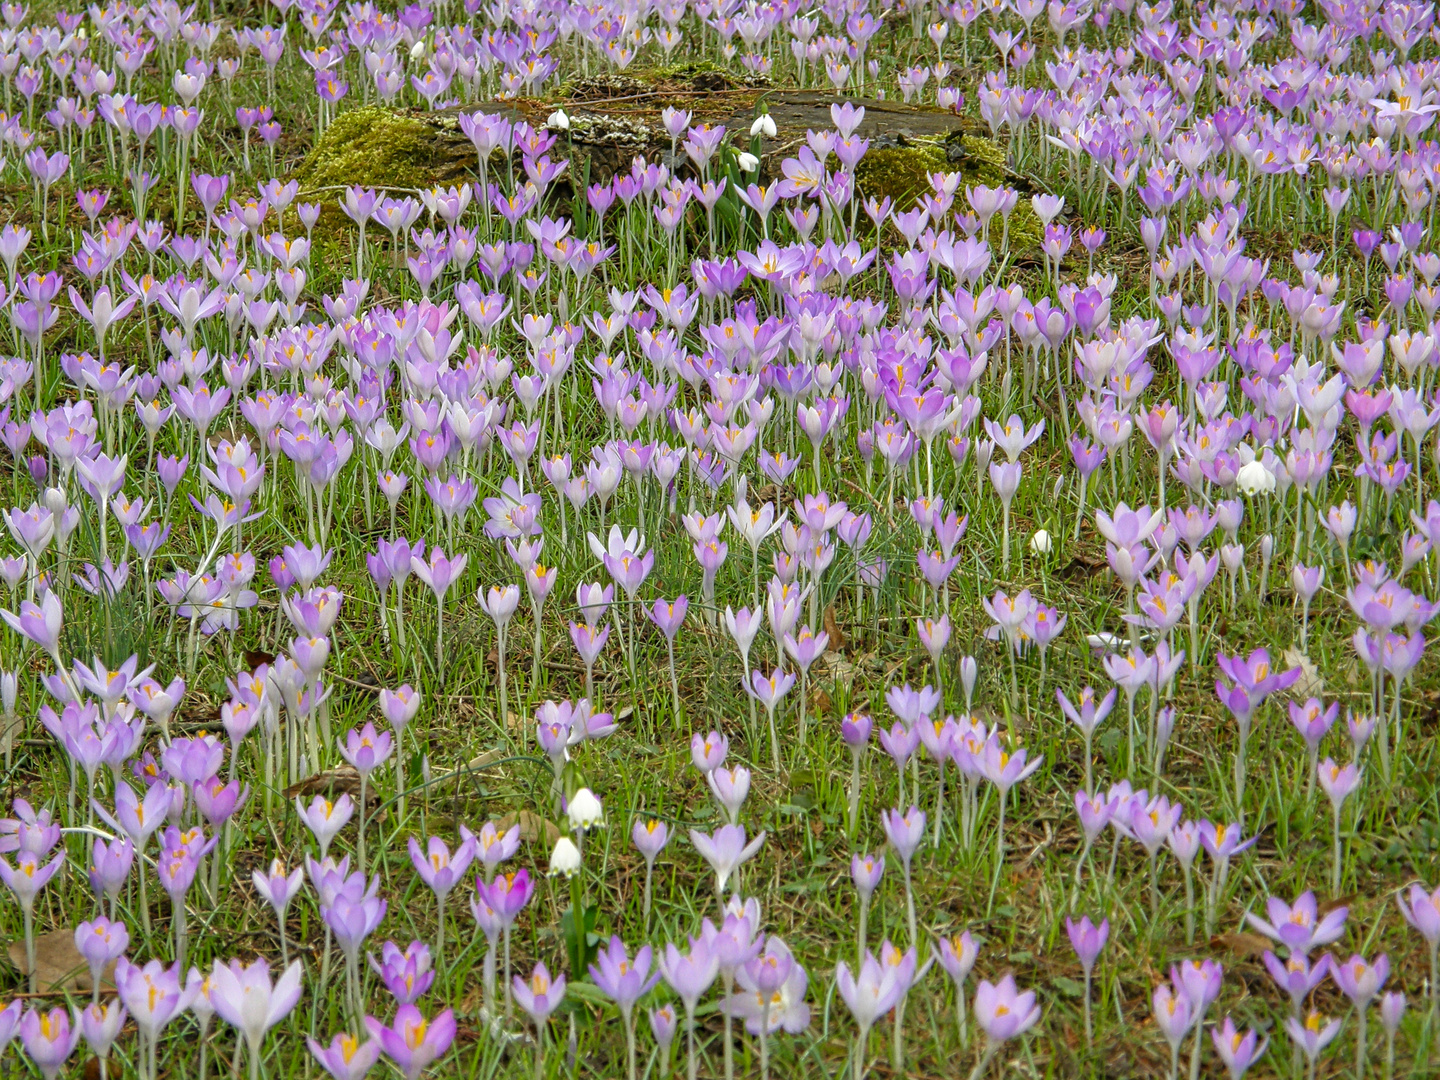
[245, 998]
[1313, 1034]
[1237, 1052]
[100, 942]
[153, 994]
[325, 819]
[869, 994]
[1299, 926]
[437, 866]
[707, 752]
[39, 624]
[110, 867]
[49, 1039]
[690, 975]
[771, 995]
[365, 749]
[353, 919]
[346, 1058]
[1003, 1012]
[412, 1042]
[407, 975]
[539, 995]
[726, 851]
[624, 981]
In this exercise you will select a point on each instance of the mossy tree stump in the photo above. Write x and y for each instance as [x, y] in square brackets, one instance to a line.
[615, 118]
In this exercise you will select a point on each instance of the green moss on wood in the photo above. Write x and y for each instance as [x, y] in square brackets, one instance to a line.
[376, 147]
[901, 171]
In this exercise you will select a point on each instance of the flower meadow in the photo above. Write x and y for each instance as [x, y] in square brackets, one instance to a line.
[812, 600]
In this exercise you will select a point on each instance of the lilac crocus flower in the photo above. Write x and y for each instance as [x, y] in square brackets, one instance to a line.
[668, 615]
[855, 729]
[100, 942]
[277, 889]
[690, 975]
[624, 981]
[1313, 1034]
[407, 975]
[726, 851]
[772, 993]
[26, 879]
[100, 1025]
[869, 994]
[1174, 1016]
[439, 573]
[412, 1042]
[1421, 910]
[769, 691]
[437, 866]
[110, 868]
[49, 1039]
[539, 995]
[905, 831]
[730, 787]
[1087, 940]
[957, 957]
[1003, 1012]
[325, 819]
[245, 998]
[1237, 1052]
[707, 752]
[39, 624]
[1296, 975]
[346, 1058]
[1089, 716]
[153, 994]
[1299, 926]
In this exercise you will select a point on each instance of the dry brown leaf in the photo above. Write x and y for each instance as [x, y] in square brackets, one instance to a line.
[1327, 906]
[841, 671]
[487, 758]
[1241, 944]
[820, 703]
[533, 827]
[332, 783]
[838, 640]
[58, 963]
[1309, 684]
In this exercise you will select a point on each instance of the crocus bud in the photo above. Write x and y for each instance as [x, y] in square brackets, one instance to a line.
[855, 730]
[969, 671]
[1392, 1011]
[663, 1022]
[866, 872]
[707, 752]
[1164, 727]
